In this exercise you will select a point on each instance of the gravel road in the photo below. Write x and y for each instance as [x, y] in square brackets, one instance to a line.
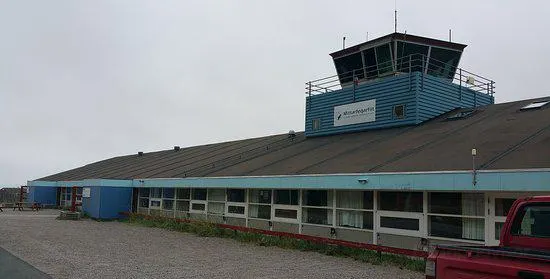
[90, 249]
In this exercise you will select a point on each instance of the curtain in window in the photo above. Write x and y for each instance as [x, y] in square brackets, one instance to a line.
[473, 205]
[349, 199]
[350, 219]
[473, 228]
[253, 211]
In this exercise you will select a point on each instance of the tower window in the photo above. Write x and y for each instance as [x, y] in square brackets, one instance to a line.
[316, 124]
[399, 111]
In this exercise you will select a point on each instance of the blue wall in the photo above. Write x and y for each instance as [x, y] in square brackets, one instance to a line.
[43, 195]
[107, 202]
[115, 200]
[439, 96]
[92, 204]
[424, 97]
[388, 92]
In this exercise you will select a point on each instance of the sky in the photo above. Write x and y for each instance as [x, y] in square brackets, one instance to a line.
[82, 81]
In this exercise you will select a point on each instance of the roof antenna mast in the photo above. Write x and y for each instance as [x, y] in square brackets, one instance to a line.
[395, 17]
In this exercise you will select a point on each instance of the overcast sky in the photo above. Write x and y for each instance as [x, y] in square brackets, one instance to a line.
[82, 81]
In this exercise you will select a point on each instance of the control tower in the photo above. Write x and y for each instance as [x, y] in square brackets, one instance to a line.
[394, 80]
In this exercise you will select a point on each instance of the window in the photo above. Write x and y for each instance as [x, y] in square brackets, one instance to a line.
[317, 198]
[456, 215]
[399, 112]
[443, 62]
[182, 205]
[354, 199]
[182, 194]
[410, 56]
[235, 209]
[316, 124]
[216, 194]
[286, 213]
[168, 193]
[384, 59]
[216, 208]
[321, 216]
[400, 223]
[469, 204]
[259, 211]
[532, 221]
[168, 204]
[502, 206]
[199, 194]
[457, 227]
[260, 196]
[354, 219]
[289, 197]
[198, 206]
[362, 216]
[498, 229]
[235, 195]
[156, 193]
[401, 201]
[369, 60]
[155, 203]
[143, 197]
[316, 207]
[348, 66]
[144, 202]
[144, 192]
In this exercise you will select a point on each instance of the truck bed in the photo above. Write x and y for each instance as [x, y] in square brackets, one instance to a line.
[525, 253]
[492, 262]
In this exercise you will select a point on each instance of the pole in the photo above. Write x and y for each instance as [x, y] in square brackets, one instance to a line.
[344, 42]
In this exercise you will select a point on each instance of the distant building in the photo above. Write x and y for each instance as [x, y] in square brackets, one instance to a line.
[401, 148]
[9, 195]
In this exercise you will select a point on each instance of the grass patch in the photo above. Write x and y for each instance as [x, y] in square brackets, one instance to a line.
[208, 229]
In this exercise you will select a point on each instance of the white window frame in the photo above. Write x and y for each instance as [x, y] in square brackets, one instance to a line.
[421, 232]
[286, 207]
[191, 210]
[151, 200]
[239, 204]
[270, 204]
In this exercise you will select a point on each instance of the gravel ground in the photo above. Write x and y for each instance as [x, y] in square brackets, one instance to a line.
[90, 249]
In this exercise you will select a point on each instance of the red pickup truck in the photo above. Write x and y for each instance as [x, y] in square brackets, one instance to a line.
[524, 250]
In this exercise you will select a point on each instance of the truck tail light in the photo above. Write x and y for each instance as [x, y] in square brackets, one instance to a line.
[430, 269]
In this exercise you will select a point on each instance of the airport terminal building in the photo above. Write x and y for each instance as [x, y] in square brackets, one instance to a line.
[402, 148]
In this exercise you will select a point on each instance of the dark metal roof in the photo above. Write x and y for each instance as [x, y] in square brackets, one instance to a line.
[402, 37]
[504, 136]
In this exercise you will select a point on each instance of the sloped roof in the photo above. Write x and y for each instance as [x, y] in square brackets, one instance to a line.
[505, 138]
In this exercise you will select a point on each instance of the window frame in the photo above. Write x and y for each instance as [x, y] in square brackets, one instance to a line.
[394, 114]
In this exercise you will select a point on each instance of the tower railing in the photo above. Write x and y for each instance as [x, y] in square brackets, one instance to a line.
[404, 65]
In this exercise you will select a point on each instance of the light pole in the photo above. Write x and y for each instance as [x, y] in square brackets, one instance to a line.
[474, 173]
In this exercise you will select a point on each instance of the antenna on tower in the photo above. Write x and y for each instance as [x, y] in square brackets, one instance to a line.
[344, 42]
[395, 17]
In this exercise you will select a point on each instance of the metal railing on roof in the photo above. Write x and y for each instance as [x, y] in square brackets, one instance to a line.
[407, 64]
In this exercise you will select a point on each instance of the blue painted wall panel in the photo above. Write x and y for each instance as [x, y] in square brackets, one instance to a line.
[437, 96]
[43, 195]
[113, 201]
[92, 205]
[424, 97]
[388, 92]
